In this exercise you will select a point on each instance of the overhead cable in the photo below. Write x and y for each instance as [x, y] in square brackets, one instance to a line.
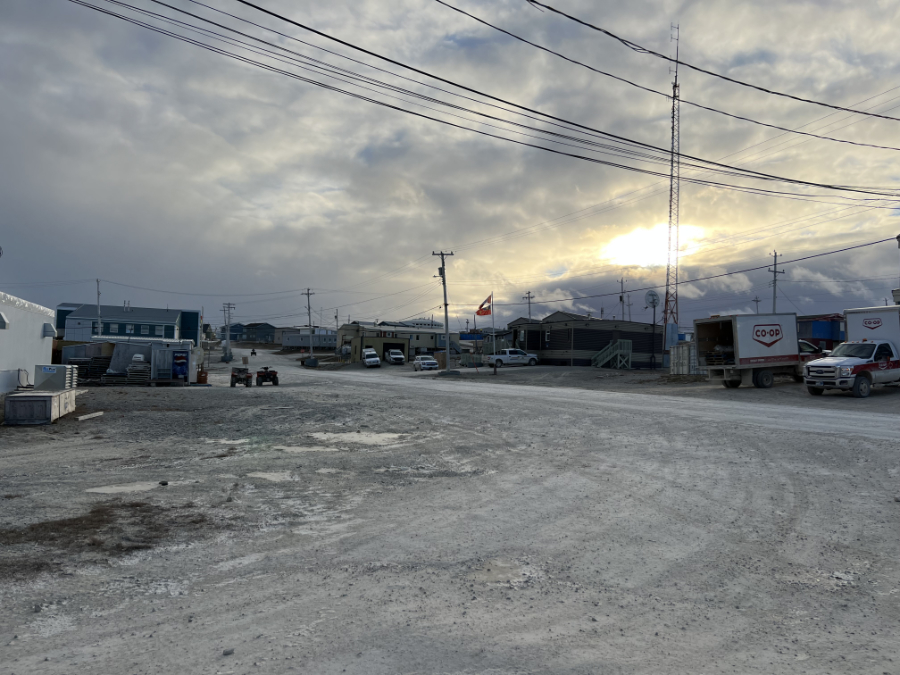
[644, 50]
[656, 91]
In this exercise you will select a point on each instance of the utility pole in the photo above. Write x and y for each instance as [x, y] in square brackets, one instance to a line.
[308, 293]
[670, 305]
[757, 301]
[442, 273]
[467, 326]
[528, 296]
[775, 272]
[226, 353]
[628, 304]
[622, 296]
[99, 318]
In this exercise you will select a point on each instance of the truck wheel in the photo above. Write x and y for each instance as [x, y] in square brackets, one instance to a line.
[815, 391]
[533, 362]
[498, 363]
[763, 379]
[731, 384]
[258, 381]
[861, 387]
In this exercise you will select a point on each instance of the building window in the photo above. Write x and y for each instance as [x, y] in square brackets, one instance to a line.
[114, 328]
[159, 330]
[145, 330]
[129, 328]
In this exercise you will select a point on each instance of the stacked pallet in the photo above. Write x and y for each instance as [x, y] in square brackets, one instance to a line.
[81, 367]
[138, 373]
[98, 367]
[114, 378]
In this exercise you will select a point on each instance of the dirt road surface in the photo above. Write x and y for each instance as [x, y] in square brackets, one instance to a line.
[382, 522]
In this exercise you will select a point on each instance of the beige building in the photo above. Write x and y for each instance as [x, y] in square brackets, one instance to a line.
[411, 340]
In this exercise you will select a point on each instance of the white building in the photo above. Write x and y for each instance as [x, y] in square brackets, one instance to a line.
[26, 340]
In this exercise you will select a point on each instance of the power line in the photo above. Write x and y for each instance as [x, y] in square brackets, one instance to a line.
[644, 50]
[656, 91]
[519, 106]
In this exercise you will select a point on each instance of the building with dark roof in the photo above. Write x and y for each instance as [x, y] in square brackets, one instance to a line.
[80, 323]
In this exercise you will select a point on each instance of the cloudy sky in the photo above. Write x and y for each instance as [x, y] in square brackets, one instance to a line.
[151, 163]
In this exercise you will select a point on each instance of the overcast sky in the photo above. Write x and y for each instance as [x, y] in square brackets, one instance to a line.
[142, 160]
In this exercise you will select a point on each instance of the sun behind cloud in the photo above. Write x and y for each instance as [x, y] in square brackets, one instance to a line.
[648, 246]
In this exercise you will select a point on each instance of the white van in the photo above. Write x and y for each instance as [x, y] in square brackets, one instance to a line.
[370, 358]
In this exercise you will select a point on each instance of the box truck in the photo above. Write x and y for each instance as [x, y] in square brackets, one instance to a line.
[868, 357]
[750, 348]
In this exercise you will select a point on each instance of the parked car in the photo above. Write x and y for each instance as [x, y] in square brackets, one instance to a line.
[512, 357]
[370, 359]
[425, 362]
[394, 357]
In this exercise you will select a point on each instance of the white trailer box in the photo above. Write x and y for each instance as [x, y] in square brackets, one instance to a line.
[874, 323]
[748, 348]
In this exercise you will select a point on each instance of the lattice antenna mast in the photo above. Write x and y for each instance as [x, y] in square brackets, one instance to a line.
[670, 308]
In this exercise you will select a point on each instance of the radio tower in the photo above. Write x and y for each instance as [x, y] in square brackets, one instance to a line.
[670, 308]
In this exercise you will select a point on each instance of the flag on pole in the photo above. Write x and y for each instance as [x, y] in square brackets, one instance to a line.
[485, 308]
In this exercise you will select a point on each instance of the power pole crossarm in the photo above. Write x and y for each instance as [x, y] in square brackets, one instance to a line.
[529, 296]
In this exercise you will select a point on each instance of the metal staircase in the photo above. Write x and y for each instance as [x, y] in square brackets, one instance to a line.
[617, 354]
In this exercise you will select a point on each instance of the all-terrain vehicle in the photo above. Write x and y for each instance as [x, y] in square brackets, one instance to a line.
[241, 376]
[266, 375]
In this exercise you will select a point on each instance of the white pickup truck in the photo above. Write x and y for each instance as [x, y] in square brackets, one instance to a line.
[512, 357]
[868, 357]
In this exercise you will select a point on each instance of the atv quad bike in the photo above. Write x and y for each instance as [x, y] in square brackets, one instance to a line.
[241, 376]
[266, 375]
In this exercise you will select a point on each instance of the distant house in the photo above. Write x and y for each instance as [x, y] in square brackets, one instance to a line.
[238, 332]
[80, 323]
[260, 332]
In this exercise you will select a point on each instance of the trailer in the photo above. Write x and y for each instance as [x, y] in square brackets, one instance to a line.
[750, 348]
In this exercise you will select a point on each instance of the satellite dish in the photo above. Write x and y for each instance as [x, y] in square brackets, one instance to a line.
[652, 299]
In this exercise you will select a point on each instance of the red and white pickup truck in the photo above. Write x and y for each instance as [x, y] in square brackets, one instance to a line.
[868, 357]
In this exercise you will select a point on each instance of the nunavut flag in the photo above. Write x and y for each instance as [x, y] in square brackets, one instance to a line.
[485, 308]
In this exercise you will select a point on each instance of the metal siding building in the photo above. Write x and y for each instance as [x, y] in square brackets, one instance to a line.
[127, 323]
[567, 339]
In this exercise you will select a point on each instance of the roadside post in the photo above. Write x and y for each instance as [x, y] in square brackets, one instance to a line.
[652, 300]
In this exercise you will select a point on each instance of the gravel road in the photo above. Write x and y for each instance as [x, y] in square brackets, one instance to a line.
[382, 522]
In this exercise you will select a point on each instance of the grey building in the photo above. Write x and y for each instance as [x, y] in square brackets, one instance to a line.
[238, 332]
[79, 323]
[568, 339]
[299, 338]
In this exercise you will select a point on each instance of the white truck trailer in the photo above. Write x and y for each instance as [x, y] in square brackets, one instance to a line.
[870, 355]
[749, 348]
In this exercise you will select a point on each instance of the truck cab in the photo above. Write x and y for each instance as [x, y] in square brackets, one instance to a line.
[854, 366]
[868, 357]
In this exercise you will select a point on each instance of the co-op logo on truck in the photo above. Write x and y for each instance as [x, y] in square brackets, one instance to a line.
[872, 323]
[768, 333]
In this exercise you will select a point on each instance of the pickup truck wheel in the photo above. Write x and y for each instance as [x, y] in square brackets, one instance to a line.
[763, 379]
[861, 387]
[532, 362]
[815, 391]
[498, 363]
